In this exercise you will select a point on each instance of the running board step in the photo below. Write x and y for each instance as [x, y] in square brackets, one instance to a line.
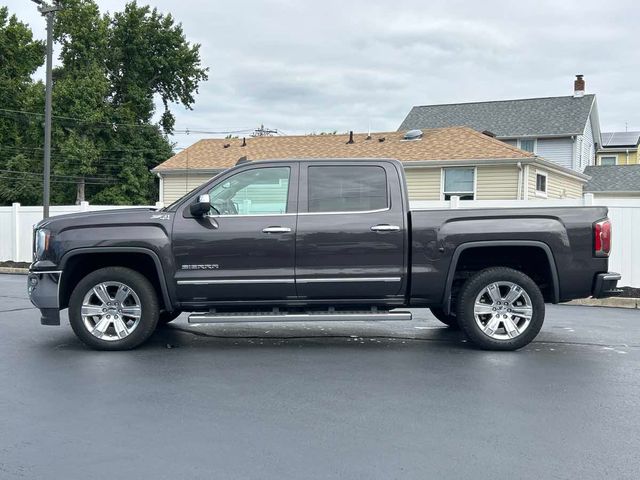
[362, 316]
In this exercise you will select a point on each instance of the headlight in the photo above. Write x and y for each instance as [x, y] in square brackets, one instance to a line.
[42, 242]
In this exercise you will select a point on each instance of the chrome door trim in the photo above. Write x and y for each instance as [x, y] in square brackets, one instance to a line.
[346, 213]
[208, 281]
[348, 279]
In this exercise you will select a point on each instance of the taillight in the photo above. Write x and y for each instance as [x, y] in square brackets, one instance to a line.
[602, 238]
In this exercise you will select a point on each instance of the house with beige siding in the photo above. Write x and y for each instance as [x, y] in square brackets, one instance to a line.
[439, 163]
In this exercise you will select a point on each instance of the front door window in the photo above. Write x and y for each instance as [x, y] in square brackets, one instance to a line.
[259, 191]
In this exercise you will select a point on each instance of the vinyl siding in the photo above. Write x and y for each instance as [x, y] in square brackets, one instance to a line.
[558, 185]
[492, 183]
[587, 155]
[423, 183]
[622, 158]
[175, 186]
[497, 182]
[557, 150]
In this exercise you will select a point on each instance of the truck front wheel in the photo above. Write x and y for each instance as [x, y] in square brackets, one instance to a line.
[500, 308]
[113, 308]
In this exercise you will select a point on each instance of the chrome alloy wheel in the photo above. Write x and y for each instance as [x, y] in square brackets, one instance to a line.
[503, 310]
[111, 311]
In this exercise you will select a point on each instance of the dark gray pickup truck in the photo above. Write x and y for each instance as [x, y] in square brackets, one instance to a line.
[299, 240]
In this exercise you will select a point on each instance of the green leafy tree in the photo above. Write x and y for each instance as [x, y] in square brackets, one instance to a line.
[113, 71]
[20, 56]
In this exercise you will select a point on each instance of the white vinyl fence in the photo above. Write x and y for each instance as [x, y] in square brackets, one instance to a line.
[16, 226]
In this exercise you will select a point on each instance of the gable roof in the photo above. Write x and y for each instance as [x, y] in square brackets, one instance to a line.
[457, 143]
[613, 178]
[620, 139]
[508, 118]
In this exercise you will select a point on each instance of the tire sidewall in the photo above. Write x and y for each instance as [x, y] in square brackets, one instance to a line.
[467, 298]
[136, 281]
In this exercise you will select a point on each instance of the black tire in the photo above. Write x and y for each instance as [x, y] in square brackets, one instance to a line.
[168, 317]
[449, 320]
[148, 304]
[467, 298]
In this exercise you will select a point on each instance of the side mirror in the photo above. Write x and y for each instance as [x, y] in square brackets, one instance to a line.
[201, 207]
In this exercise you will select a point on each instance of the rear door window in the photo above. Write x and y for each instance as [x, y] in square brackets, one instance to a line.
[349, 188]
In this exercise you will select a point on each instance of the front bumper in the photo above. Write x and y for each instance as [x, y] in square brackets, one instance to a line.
[43, 289]
[605, 285]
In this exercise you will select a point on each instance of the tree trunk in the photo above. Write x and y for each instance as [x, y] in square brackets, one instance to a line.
[80, 191]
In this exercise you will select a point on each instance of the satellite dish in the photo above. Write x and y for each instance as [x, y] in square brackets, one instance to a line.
[413, 135]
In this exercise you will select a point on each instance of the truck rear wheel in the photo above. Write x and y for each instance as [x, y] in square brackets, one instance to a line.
[500, 308]
[449, 320]
[114, 308]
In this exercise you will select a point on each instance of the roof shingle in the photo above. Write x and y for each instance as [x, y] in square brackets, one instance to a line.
[457, 143]
[508, 118]
[613, 178]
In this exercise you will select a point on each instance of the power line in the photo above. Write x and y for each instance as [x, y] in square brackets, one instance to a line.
[116, 125]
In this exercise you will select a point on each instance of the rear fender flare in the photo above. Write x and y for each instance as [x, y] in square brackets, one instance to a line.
[446, 300]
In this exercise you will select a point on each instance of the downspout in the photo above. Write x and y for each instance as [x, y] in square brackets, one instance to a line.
[160, 188]
[526, 182]
[519, 194]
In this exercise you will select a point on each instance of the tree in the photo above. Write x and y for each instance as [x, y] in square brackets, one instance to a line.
[113, 71]
[20, 56]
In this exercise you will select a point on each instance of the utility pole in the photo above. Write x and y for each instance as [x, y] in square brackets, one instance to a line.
[263, 132]
[47, 11]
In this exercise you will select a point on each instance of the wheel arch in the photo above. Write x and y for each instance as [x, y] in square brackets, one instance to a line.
[99, 257]
[465, 247]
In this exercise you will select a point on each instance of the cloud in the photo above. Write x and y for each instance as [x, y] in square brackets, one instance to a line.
[303, 66]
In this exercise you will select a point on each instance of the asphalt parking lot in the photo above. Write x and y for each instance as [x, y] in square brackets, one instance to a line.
[305, 401]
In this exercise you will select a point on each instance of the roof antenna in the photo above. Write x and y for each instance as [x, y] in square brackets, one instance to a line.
[369, 132]
[350, 137]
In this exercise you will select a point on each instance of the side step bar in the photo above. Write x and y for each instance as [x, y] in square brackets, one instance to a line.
[345, 316]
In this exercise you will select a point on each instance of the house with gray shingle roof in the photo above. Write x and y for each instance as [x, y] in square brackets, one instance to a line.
[613, 181]
[564, 130]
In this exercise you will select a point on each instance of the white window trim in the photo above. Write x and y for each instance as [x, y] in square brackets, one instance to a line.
[608, 155]
[475, 181]
[540, 193]
[535, 144]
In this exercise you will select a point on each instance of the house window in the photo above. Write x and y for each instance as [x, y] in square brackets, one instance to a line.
[541, 184]
[459, 182]
[608, 160]
[527, 144]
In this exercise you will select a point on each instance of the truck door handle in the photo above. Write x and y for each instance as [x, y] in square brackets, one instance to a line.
[385, 228]
[276, 230]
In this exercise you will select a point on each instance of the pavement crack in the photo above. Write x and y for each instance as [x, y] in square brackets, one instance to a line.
[17, 309]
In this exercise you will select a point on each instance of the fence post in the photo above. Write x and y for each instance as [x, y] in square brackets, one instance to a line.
[15, 232]
[454, 202]
[587, 199]
[84, 206]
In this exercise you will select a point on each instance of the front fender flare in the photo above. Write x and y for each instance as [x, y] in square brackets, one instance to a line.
[146, 251]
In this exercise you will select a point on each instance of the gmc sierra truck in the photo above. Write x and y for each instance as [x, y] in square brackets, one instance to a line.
[315, 240]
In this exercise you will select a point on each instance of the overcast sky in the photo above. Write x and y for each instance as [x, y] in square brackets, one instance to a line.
[312, 66]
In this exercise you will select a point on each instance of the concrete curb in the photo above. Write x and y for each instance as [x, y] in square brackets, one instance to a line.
[617, 302]
[14, 271]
